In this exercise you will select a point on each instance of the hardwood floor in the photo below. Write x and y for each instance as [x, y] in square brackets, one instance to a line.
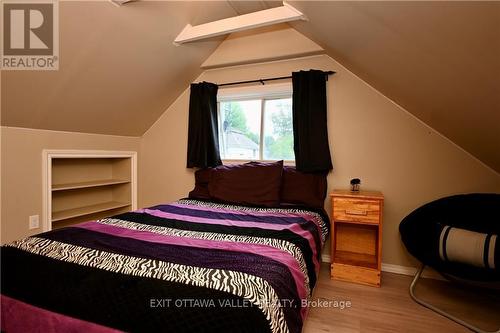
[390, 308]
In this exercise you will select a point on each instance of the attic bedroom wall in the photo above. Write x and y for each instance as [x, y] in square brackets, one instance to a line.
[21, 168]
[370, 137]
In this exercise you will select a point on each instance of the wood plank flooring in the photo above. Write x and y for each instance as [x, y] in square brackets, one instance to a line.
[390, 308]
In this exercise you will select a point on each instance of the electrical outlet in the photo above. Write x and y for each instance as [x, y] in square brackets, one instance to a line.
[34, 222]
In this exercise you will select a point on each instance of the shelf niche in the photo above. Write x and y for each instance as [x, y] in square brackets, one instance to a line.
[88, 185]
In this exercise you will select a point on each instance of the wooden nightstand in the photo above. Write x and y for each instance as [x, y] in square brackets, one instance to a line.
[356, 243]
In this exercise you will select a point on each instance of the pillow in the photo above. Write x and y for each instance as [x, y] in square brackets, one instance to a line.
[200, 191]
[253, 183]
[299, 188]
[469, 247]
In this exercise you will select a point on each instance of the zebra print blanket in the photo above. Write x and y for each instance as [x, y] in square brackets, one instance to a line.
[183, 267]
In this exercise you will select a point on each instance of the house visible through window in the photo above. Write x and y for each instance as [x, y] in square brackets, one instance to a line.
[256, 128]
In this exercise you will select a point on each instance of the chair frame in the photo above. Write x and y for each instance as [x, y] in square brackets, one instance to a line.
[440, 311]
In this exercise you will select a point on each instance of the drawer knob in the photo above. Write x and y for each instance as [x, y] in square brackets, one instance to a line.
[356, 212]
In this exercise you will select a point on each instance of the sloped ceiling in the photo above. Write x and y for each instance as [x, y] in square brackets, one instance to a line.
[439, 60]
[119, 70]
[118, 67]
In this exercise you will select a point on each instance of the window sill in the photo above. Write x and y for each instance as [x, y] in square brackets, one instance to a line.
[288, 163]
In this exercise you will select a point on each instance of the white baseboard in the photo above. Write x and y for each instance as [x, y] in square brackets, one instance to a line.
[326, 258]
[398, 269]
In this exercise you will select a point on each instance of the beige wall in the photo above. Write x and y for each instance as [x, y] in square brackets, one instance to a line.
[21, 171]
[268, 43]
[370, 137]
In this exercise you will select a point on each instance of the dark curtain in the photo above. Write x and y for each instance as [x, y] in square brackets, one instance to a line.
[203, 133]
[310, 133]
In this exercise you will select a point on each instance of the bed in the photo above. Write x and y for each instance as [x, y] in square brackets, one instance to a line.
[191, 265]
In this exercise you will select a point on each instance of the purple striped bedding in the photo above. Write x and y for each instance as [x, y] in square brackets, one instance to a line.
[187, 266]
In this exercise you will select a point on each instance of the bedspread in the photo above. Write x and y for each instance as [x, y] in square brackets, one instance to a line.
[186, 266]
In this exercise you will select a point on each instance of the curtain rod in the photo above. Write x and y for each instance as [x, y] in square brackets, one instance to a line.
[268, 79]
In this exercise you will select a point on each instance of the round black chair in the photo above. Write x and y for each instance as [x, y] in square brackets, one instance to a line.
[458, 236]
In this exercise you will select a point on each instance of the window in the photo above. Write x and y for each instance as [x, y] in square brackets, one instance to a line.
[256, 128]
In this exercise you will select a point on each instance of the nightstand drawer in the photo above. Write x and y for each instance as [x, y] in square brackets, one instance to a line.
[356, 210]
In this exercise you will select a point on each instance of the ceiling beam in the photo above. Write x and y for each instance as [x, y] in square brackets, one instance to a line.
[285, 13]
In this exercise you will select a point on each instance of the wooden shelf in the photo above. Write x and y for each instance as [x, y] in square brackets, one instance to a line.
[86, 210]
[83, 185]
[356, 259]
[95, 183]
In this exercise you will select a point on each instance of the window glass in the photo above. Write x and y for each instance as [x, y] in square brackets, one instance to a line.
[278, 129]
[239, 128]
[256, 129]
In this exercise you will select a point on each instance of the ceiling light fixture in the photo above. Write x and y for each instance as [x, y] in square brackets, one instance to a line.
[285, 13]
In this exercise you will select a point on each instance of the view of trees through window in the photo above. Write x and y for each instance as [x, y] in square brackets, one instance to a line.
[243, 124]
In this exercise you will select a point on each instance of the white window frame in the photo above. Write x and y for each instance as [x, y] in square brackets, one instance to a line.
[262, 93]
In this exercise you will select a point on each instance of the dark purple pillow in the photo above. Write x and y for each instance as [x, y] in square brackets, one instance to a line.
[299, 188]
[200, 191]
[254, 183]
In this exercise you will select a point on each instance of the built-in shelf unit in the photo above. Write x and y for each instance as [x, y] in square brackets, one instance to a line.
[87, 185]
